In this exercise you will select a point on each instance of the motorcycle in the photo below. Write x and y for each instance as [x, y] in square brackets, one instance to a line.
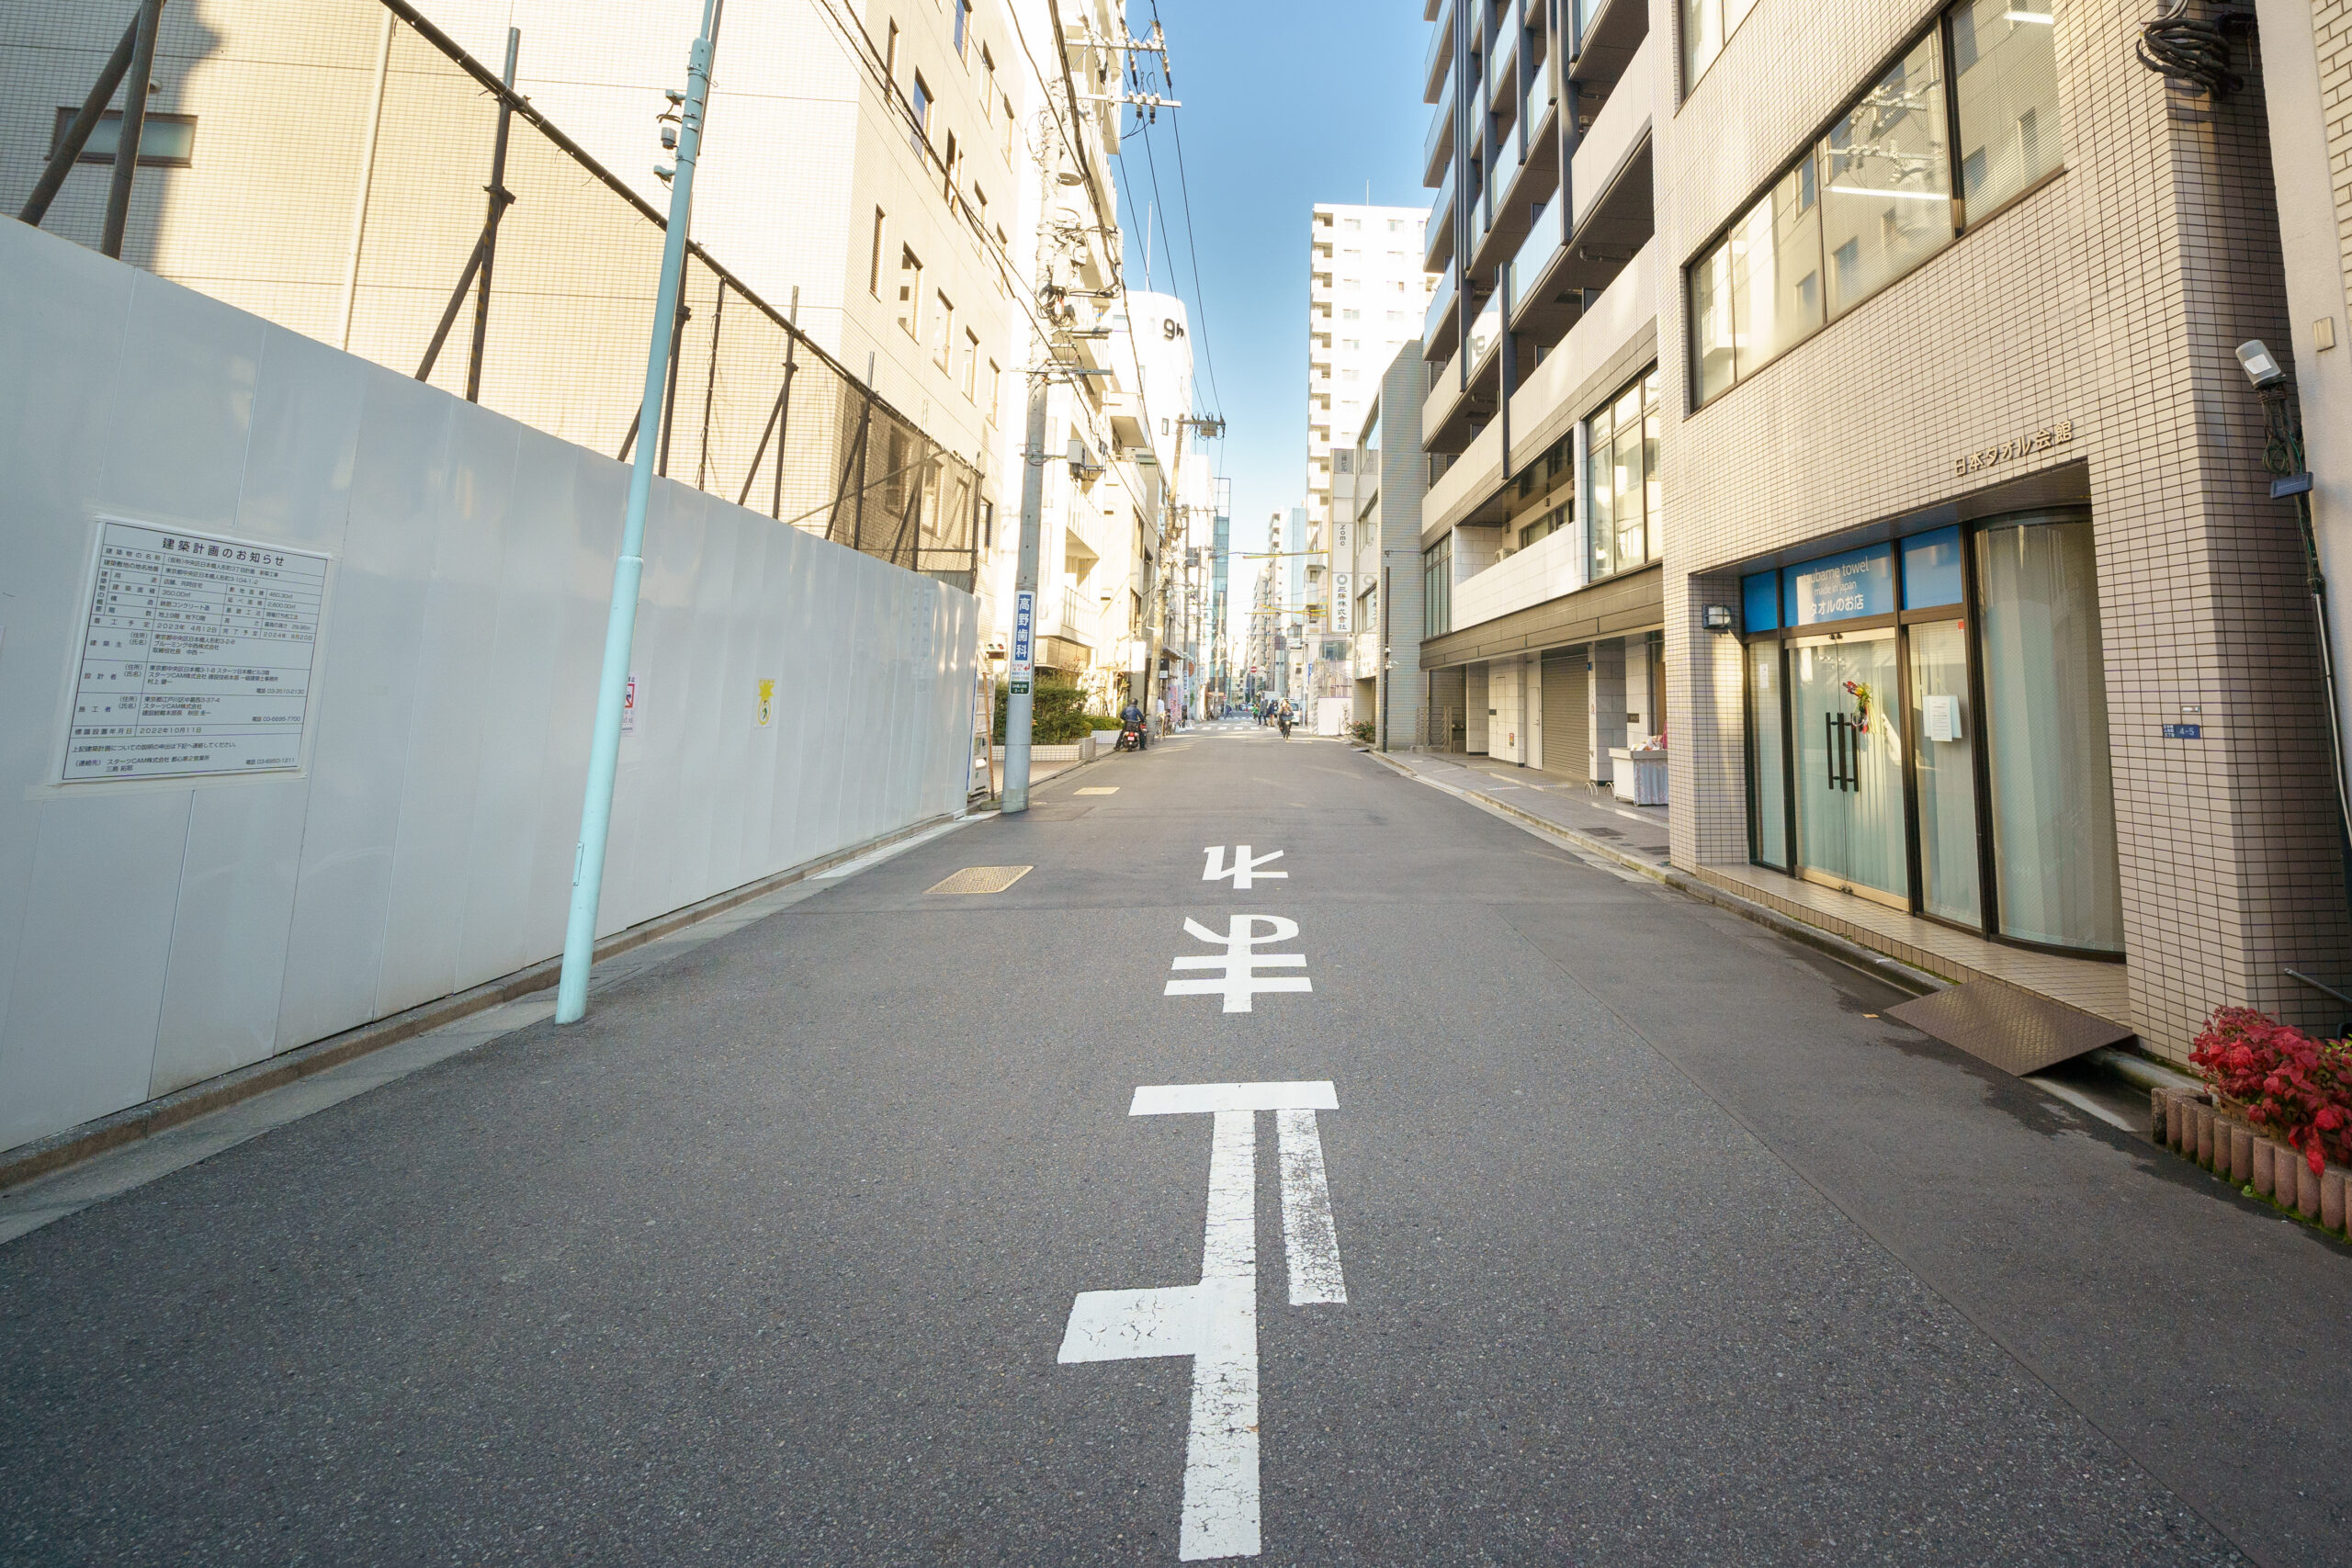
[1130, 738]
[1283, 719]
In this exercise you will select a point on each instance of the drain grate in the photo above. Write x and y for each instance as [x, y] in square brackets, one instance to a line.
[983, 879]
[2014, 1029]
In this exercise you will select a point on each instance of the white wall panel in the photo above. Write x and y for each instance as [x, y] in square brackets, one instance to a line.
[229, 931]
[90, 970]
[53, 437]
[157, 933]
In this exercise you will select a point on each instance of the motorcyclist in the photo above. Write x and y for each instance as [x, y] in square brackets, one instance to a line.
[1282, 717]
[1131, 718]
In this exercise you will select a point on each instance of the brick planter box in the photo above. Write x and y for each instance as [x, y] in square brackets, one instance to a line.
[2188, 1123]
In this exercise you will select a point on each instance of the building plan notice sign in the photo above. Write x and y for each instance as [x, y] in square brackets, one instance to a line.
[195, 656]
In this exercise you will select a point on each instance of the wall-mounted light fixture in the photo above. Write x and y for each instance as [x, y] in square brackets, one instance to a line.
[2260, 367]
[1716, 617]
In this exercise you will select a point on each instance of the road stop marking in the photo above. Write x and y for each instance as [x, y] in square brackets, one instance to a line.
[1241, 961]
[1244, 867]
[1216, 1322]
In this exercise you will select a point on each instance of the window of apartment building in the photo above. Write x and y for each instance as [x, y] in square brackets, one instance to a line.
[1343, 462]
[1394, 317]
[963, 26]
[1008, 128]
[1349, 375]
[981, 206]
[947, 162]
[1349, 283]
[942, 328]
[1437, 588]
[1352, 225]
[1874, 198]
[1705, 25]
[874, 276]
[166, 141]
[996, 388]
[971, 363]
[1395, 225]
[1546, 525]
[910, 292]
[1622, 479]
[890, 54]
[1349, 315]
[988, 84]
[922, 102]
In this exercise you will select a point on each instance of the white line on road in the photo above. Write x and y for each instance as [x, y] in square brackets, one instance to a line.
[1244, 868]
[1198, 1099]
[1216, 1322]
[1310, 1242]
[1241, 961]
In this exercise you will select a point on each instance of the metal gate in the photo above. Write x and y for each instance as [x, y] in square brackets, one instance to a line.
[1565, 722]
[1442, 714]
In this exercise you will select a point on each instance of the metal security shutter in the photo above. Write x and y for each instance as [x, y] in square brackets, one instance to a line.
[1565, 737]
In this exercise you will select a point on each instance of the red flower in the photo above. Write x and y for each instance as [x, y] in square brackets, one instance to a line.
[2297, 1089]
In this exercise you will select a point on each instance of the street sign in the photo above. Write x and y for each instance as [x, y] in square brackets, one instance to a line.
[1024, 626]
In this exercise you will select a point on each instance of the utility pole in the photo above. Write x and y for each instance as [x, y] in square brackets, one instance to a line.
[1018, 700]
[620, 624]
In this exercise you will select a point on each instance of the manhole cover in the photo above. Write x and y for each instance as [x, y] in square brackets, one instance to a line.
[983, 879]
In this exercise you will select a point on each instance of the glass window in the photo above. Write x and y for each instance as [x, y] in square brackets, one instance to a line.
[2045, 734]
[1931, 570]
[923, 110]
[166, 141]
[910, 292]
[1839, 587]
[1711, 319]
[1437, 588]
[1702, 38]
[1759, 602]
[943, 319]
[963, 25]
[1776, 270]
[2005, 60]
[1622, 478]
[1886, 179]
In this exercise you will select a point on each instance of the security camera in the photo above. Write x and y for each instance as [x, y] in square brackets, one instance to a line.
[2260, 368]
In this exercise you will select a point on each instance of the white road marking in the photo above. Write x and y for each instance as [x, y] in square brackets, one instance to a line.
[1244, 867]
[1310, 1242]
[1198, 1099]
[1216, 1322]
[1241, 961]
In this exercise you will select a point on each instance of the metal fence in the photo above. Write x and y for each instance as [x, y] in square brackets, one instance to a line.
[479, 248]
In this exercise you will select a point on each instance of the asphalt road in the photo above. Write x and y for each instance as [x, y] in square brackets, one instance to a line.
[1659, 1246]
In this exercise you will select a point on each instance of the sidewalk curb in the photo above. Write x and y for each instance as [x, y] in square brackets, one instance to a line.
[1918, 982]
[44, 1157]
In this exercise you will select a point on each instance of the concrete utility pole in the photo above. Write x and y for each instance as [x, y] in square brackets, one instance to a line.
[1018, 700]
[620, 624]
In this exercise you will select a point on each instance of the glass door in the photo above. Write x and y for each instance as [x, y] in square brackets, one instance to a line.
[1849, 764]
[1944, 763]
[1768, 725]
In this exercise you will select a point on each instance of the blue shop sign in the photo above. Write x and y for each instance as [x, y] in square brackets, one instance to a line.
[1759, 602]
[1839, 588]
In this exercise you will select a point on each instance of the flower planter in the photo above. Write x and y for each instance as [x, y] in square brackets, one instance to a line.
[2189, 1123]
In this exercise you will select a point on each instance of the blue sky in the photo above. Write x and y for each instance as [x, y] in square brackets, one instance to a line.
[1286, 103]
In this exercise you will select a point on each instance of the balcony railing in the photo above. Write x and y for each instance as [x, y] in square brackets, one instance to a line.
[1441, 304]
[1439, 232]
[1441, 51]
[1535, 253]
[1439, 140]
[1486, 330]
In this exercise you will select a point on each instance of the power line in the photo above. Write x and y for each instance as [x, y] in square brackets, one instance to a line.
[1191, 244]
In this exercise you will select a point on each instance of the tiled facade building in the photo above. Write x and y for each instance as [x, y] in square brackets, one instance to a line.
[1980, 638]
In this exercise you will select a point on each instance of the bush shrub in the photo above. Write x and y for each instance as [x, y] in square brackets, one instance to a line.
[1362, 732]
[1057, 714]
[2282, 1080]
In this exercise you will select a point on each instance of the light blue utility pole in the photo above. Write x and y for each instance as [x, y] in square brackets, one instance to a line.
[620, 626]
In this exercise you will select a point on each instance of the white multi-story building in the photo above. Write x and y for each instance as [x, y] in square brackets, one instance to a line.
[1367, 297]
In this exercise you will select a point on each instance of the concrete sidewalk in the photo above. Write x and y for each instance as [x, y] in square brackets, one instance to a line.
[1638, 830]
